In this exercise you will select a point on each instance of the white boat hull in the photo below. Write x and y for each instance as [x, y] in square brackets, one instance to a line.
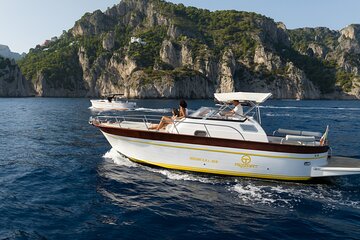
[113, 105]
[218, 160]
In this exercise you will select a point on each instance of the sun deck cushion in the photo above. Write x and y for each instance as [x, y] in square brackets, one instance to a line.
[300, 138]
[298, 133]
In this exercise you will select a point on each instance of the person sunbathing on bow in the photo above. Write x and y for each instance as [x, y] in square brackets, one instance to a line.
[177, 114]
[166, 120]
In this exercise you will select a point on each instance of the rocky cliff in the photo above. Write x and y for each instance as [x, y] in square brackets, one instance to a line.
[339, 51]
[7, 53]
[155, 49]
[12, 82]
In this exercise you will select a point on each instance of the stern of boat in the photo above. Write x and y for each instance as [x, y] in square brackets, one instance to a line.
[337, 166]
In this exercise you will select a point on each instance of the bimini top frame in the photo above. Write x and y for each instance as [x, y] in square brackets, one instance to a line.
[253, 100]
[242, 97]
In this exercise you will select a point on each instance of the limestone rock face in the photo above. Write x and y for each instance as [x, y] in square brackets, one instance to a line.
[186, 58]
[348, 49]
[176, 55]
[12, 82]
[316, 50]
[267, 58]
[302, 87]
[173, 31]
[227, 70]
[292, 85]
[273, 32]
[349, 39]
[92, 24]
[351, 32]
[109, 41]
[168, 87]
[169, 54]
[7, 53]
[354, 93]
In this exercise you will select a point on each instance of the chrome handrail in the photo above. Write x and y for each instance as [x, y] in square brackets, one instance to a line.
[146, 118]
[207, 131]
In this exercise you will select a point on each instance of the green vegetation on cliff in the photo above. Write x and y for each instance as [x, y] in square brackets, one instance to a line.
[56, 62]
[6, 66]
[302, 37]
[310, 51]
[146, 55]
[321, 72]
[4, 62]
[218, 30]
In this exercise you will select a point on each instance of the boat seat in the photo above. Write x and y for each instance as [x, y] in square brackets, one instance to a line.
[298, 139]
[297, 132]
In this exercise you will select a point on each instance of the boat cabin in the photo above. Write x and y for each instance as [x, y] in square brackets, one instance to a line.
[222, 122]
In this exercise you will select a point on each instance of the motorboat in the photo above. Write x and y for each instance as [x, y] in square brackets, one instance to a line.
[113, 102]
[213, 140]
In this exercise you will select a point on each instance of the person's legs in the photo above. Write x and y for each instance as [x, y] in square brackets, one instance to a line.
[164, 121]
[153, 126]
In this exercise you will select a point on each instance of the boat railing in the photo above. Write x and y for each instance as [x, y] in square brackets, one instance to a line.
[146, 119]
[149, 120]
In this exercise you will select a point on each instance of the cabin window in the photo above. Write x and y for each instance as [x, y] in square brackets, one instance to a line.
[200, 133]
[248, 128]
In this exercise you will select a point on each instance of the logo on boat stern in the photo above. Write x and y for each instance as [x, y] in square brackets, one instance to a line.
[246, 159]
[245, 162]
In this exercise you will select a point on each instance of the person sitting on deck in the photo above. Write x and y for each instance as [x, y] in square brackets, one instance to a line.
[177, 114]
[166, 120]
[183, 112]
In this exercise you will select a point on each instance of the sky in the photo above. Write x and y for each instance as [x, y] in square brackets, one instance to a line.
[26, 23]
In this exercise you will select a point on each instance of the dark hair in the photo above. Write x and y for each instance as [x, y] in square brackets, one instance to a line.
[183, 103]
[175, 111]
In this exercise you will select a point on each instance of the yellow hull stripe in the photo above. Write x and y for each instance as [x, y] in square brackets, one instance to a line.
[222, 172]
[225, 151]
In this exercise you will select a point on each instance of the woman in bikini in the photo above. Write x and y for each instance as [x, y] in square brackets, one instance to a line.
[177, 114]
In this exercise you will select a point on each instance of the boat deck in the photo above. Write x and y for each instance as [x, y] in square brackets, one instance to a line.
[336, 161]
[337, 166]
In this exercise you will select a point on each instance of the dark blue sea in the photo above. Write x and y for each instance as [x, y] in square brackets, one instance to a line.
[59, 179]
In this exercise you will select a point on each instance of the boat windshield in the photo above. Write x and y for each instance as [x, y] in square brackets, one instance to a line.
[119, 98]
[218, 113]
[207, 112]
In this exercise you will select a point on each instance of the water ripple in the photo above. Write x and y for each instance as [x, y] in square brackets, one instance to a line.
[59, 179]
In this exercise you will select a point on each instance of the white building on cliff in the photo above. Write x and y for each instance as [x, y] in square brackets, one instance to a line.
[137, 40]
